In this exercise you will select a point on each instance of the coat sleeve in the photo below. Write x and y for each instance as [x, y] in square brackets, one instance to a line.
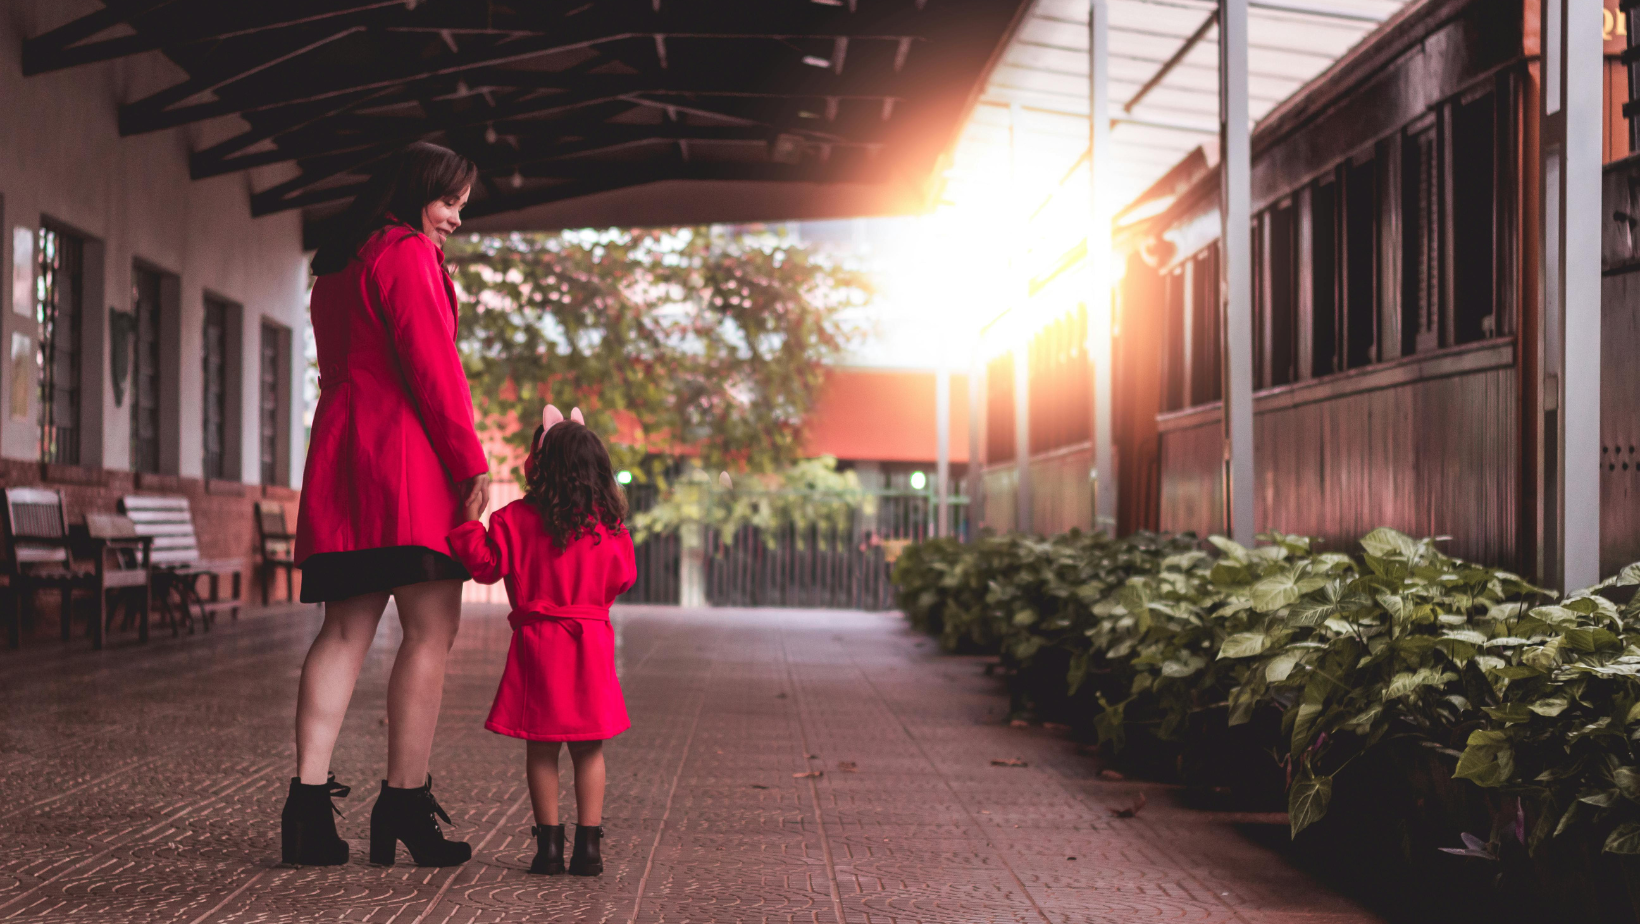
[625, 572]
[487, 554]
[421, 321]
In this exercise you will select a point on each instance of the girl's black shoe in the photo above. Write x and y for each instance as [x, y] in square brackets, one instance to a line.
[307, 826]
[408, 815]
[589, 853]
[549, 850]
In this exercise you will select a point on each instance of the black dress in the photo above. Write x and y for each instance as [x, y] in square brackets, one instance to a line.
[331, 576]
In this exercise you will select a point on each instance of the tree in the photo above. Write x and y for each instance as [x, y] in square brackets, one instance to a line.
[683, 340]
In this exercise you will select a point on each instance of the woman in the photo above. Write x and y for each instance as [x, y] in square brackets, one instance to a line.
[392, 460]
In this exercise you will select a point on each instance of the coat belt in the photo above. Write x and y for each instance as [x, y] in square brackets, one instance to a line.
[569, 616]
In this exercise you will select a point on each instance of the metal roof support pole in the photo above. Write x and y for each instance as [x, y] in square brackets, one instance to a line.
[1022, 347]
[976, 426]
[1571, 148]
[1101, 324]
[942, 446]
[1235, 210]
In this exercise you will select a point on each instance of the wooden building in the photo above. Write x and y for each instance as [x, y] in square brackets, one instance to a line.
[1397, 336]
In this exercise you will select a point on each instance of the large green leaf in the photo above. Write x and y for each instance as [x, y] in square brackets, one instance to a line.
[1307, 801]
[1624, 840]
[1383, 542]
[1488, 760]
[1244, 645]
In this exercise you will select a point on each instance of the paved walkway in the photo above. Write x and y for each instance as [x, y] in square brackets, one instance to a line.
[144, 784]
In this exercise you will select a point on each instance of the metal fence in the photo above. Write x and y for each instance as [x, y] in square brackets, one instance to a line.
[841, 566]
[845, 567]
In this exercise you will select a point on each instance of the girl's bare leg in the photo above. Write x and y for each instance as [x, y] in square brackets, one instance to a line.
[588, 757]
[541, 768]
[328, 675]
[429, 613]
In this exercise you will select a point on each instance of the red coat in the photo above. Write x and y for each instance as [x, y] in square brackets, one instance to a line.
[559, 683]
[393, 431]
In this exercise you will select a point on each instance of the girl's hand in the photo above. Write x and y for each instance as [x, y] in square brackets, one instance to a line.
[475, 495]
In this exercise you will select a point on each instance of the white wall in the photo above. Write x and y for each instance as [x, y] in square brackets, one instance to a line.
[61, 157]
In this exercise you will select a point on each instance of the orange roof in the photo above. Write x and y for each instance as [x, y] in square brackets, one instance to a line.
[885, 416]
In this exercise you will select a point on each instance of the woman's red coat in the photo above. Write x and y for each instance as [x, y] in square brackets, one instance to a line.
[393, 431]
[559, 683]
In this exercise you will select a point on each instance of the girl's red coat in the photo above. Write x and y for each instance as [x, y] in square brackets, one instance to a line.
[559, 683]
[393, 431]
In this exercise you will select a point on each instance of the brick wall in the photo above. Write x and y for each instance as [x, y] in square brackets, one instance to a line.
[224, 517]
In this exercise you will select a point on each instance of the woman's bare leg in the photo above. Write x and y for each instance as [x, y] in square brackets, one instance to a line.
[429, 613]
[328, 676]
[588, 757]
[541, 769]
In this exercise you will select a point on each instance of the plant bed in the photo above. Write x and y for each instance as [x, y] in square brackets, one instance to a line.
[1405, 702]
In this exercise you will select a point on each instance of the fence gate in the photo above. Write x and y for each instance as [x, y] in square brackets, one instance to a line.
[842, 567]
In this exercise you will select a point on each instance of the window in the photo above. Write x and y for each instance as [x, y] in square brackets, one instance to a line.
[1421, 207]
[1360, 264]
[1174, 353]
[1206, 348]
[999, 409]
[1324, 280]
[1061, 383]
[59, 284]
[147, 288]
[1474, 249]
[271, 435]
[1282, 330]
[215, 409]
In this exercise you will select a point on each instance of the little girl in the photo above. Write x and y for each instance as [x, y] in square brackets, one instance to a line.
[565, 555]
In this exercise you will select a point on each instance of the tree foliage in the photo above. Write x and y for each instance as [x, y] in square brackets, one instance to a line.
[682, 340]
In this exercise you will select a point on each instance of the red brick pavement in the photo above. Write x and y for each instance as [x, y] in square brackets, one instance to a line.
[143, 783]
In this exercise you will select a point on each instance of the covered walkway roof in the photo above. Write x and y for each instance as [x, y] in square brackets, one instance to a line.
[1163, 86]
[578, 113]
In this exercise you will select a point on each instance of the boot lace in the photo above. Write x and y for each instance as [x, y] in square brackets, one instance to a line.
[432, 802]
[335, 790]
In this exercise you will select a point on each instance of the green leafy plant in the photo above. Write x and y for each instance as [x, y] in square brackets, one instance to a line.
[1515, 691]
[808, 496]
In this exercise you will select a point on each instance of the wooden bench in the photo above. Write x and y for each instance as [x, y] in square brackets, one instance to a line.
[40, 556]
[278, 547]
[176, 561]
[122, 566]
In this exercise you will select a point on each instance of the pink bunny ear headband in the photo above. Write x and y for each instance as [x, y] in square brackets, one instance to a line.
[551, 417]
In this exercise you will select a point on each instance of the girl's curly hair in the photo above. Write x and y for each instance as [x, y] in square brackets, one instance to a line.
[569, 480]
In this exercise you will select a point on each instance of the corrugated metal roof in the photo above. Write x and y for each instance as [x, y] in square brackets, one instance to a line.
[1039, 90]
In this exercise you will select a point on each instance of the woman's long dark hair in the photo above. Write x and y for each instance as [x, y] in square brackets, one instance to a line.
[568, 479]
[419, 174]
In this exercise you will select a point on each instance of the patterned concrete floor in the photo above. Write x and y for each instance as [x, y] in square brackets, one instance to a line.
[144, 784]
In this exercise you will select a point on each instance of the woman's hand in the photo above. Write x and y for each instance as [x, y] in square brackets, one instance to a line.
[475, 495]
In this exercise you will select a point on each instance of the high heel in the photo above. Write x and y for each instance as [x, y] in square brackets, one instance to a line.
[589, 851]
[307, 825]
[408, 815]
[549, 850]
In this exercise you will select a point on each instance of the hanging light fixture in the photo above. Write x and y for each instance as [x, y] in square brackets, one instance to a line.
[489, 133]
[517, 179]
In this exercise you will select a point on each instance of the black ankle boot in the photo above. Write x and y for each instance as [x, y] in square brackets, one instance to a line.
[549, 850]
[307, 826]
[589, 852]
[408, 815]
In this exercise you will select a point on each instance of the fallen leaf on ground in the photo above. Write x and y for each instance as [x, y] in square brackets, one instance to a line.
[812, 756]
[1131, 811]
[1111, 775]
[812, 774]
[1056, 726]
[1009, 762]
[1019, 723]
[759, 786]
[848, 766]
